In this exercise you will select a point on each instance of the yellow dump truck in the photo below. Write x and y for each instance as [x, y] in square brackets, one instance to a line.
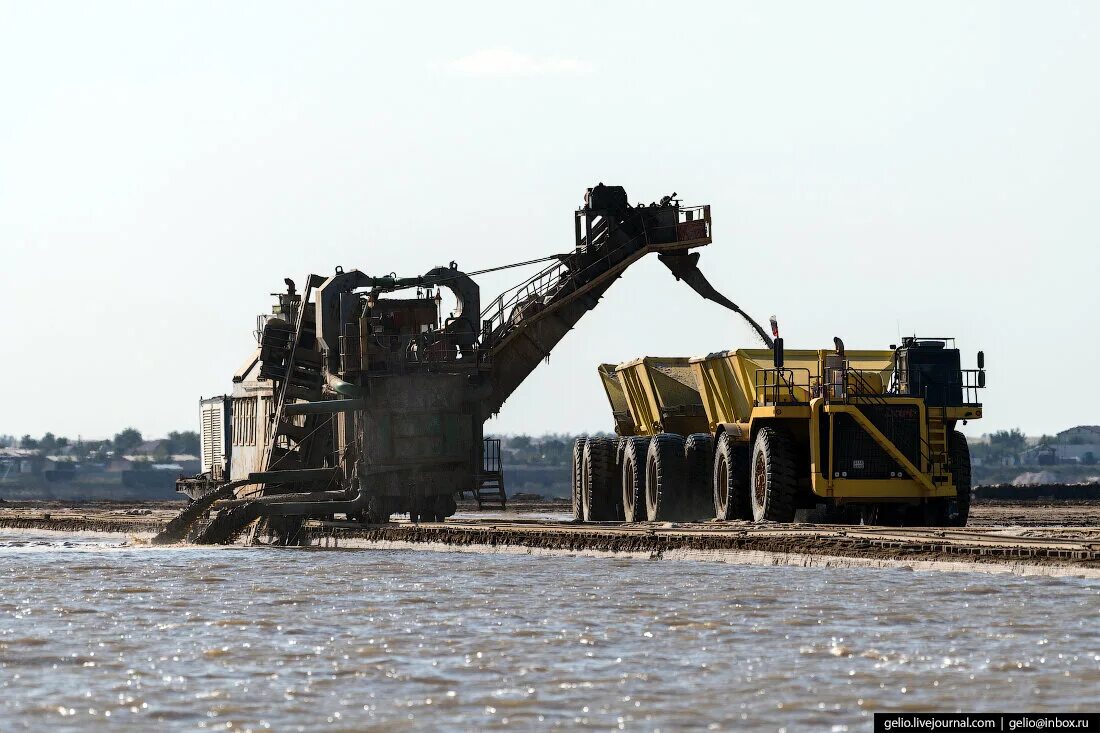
[778, 434]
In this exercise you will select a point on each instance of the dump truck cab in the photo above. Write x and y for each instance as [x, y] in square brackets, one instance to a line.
[873, 429]
[865, 435]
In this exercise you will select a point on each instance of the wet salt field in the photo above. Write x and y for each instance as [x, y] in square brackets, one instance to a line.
[95, 634]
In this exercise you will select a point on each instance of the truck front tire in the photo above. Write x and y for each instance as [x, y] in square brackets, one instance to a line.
[959, 455]
[774, 483]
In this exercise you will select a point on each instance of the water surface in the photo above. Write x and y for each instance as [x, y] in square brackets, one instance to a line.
[98, 635]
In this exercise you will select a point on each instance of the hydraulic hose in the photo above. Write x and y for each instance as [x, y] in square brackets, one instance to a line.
[357, 503]
[311, 496]
[347, 389]
[177, 529]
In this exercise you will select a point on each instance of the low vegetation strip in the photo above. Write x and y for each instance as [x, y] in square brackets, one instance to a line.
[1038, 492]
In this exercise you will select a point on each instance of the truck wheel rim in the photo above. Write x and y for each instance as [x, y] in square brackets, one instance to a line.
[628, 489]
[760, 480]
[651, 483]
[722, 487]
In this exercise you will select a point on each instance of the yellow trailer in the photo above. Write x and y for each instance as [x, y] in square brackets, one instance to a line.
[659, 395]
[868, 435]
[664, 439]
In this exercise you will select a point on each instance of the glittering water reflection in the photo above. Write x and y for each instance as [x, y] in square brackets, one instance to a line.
[96, 635]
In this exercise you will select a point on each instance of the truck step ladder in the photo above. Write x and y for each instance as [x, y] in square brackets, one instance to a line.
[938, 447]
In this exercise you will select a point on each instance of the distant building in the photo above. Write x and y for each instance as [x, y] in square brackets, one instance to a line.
[60, 468]
[1049, 454]
[1081, 434]
[21, 461]
[188, 463]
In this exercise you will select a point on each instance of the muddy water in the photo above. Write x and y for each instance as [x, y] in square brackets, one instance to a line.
[94, 635]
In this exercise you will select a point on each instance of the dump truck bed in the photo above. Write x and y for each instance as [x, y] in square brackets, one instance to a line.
[687, 395]
[654, 394]
[731, 383]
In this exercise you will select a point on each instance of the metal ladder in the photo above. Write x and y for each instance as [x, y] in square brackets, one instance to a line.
[298, 376]
[490, 479]
[938, 446]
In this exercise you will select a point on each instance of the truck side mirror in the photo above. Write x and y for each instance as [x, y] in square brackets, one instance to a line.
[981, 360]
[981, 378]
[777, 353]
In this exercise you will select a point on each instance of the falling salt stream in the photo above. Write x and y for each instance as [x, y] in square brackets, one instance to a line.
[98, 634]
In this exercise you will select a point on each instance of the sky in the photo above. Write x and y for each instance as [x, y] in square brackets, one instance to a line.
[874, 169]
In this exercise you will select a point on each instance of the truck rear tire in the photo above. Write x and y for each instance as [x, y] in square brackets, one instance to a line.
[699, 467]
[634, 454]
[774, 483]
[731, 480]
[578, 465]
[664, 478]
[959, 455]
[598, 486]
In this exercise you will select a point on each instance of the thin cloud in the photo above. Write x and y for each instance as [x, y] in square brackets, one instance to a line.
[505, 62]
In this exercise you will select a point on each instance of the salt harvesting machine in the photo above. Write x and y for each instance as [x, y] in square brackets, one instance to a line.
[361, 400]
[777, 434]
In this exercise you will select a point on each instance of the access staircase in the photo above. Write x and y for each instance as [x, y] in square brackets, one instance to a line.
[489, 486]
[291, 358]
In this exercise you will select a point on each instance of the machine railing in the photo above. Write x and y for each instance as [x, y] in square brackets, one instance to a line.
[526, 300]
[530, 293]
[958, 390]
[491, 462]
[841, 384]
[848, 385]
[692, 223]
[972, 381]
[777, 386]
[845, 384]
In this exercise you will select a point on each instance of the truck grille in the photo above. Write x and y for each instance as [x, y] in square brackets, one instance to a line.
[857, 453]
